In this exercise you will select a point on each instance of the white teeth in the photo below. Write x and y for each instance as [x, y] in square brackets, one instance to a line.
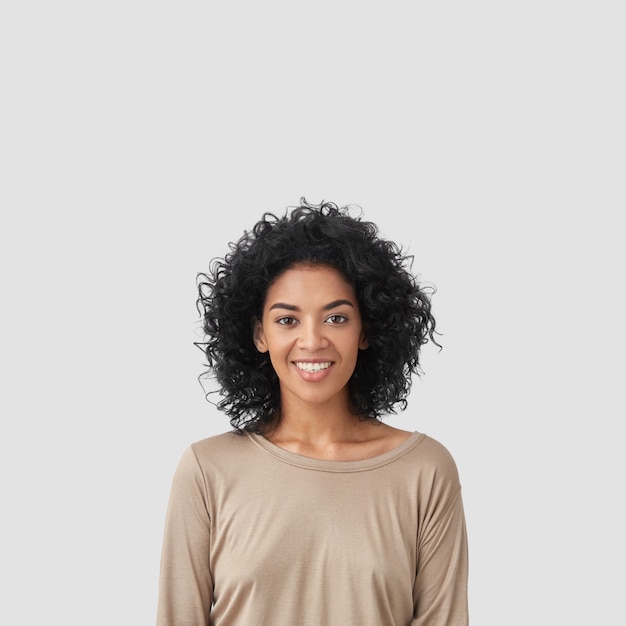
[312, 367]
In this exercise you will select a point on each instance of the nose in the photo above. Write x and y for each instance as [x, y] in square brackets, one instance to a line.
[312, 337]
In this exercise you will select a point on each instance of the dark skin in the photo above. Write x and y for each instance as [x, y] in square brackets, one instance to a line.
[312, 329]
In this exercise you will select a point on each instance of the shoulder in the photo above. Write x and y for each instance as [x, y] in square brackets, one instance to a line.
[206, 460]
[219, 443]
[434, 470]
[225, 448]
[438, 488]
[435, 456]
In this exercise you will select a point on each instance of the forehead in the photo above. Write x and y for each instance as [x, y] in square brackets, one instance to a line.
[310, 282]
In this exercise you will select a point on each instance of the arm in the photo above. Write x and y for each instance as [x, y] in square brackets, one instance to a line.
[186, 583]
[440, 587]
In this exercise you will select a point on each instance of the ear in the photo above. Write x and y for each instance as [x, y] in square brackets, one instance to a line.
[258, 336]
[363, 340]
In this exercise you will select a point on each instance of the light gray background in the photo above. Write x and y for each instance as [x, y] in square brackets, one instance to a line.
[138, 139]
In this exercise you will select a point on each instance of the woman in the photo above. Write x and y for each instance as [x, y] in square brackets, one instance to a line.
[312, 511]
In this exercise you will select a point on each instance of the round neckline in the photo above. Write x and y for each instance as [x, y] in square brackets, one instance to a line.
[307, 462]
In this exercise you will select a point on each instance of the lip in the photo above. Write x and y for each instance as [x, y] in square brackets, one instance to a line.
[313, 376]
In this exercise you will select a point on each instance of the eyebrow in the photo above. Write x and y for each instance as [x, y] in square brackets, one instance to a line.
[293, 307]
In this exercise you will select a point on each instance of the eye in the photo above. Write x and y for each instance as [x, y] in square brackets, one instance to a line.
[336, 319]
[287, 321]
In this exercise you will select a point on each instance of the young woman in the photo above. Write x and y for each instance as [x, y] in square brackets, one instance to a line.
[312, 511]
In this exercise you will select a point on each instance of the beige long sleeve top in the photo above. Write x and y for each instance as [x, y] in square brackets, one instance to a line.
[256, 535]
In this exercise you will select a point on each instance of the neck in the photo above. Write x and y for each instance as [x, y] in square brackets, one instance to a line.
[317, 424]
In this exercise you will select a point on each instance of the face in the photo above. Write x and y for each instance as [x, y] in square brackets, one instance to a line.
[311, 328]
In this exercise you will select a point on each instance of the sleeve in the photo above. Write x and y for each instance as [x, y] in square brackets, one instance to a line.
[440, 588]
[186, 582]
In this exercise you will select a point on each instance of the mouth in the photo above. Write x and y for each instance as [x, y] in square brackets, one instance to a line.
[307, 366]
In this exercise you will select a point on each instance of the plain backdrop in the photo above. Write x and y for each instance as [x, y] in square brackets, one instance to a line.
[139, 138]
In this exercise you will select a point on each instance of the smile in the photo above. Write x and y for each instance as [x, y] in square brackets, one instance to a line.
[312, 367]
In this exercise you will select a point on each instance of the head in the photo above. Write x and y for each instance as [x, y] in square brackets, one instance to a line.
[395, 311]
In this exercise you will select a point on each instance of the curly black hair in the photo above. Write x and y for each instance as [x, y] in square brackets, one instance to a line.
[395, 310]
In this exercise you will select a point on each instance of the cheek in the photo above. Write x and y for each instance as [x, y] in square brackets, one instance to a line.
[352, 349]
[277, 346]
